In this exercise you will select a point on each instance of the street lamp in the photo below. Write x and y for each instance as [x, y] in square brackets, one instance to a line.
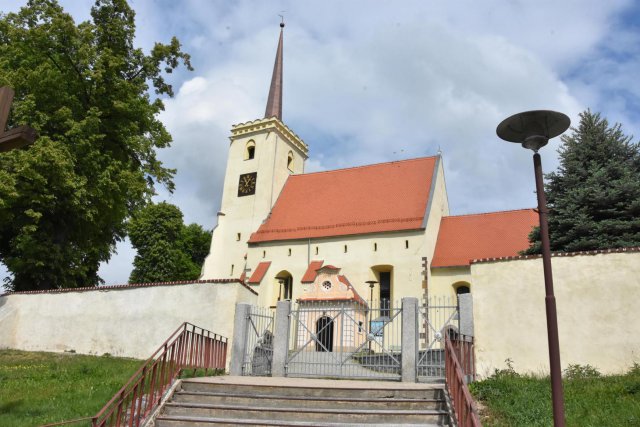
[371, 284]
[533, 129]
[281, 280]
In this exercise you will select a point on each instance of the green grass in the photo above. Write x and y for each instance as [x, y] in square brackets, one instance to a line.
[40, 388]
[511, 399]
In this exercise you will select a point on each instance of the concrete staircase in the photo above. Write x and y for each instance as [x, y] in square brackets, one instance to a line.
[261, 401]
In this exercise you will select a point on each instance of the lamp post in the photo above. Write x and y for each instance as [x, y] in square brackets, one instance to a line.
[533, 129]
[371, 284]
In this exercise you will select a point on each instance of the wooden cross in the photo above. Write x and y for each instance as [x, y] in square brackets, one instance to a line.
[16, 137]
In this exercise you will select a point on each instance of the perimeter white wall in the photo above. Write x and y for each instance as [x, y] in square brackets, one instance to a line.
[129, 322]
[597, 301]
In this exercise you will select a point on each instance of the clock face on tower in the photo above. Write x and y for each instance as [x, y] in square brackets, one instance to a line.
[247, 184]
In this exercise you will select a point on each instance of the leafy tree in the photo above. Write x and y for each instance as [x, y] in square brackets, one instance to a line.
[594, 197]
[64, 201]
[167, 249]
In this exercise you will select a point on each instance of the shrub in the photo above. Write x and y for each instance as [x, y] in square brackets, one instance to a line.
[581, 372]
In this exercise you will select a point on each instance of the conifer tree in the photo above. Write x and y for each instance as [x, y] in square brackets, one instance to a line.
[594, 196]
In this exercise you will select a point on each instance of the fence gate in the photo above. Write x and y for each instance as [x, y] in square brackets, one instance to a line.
[259, 342]
[345, 340]
[438, 317]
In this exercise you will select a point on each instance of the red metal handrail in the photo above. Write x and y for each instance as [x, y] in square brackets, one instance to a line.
[463, 404]
[188, 347]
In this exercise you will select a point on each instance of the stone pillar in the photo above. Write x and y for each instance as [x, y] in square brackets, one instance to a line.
[239, 343]
[409, 339]
[280, 339]
[465, 305]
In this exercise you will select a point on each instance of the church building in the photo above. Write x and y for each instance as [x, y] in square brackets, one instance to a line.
[278, 226]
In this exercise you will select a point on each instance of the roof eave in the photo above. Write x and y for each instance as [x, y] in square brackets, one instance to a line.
[254, 243]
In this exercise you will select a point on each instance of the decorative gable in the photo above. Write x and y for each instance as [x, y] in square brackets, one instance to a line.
[329, 285]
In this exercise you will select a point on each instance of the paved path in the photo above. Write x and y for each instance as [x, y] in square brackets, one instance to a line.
[314, 382]
[331, 364]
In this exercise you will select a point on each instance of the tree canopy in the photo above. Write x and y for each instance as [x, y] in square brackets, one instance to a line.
[594, 196]
[64, 201]
[167, 250]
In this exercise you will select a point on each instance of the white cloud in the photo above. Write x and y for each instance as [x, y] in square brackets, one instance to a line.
[370, 83]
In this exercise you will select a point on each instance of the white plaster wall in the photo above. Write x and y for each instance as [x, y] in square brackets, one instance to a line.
[130, 322]
[439, 208]
[245, 214]
[442, 280]
[598, 317]
[356, 263]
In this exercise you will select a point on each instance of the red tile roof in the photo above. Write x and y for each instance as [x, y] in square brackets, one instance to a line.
[311, 273]
[367, 199]
[261, 270]
[464, 238]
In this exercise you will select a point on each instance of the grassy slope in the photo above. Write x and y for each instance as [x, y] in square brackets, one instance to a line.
[590, 400]
[38, 388]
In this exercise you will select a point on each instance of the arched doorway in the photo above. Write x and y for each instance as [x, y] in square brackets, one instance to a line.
[324, 332]
[461, 288]
[284, 280]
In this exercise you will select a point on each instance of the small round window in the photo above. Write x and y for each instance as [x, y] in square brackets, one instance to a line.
[326, 285]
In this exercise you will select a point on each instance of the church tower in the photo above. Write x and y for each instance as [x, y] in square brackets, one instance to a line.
[262, 155]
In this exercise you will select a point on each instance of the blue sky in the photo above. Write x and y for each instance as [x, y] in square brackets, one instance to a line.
[369, 82]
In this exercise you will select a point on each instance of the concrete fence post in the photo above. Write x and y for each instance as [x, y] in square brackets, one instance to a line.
[281, 339]
[465, 304]
[409, 339]
[239, 343]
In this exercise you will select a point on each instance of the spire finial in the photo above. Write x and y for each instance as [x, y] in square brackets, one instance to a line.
[274, 101]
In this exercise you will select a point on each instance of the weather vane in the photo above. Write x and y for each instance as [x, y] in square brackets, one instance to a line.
[282, 17]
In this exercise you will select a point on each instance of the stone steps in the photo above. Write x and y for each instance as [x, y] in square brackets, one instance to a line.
[273, 400]
[300, 402]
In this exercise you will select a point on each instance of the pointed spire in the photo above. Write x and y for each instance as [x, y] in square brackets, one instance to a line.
[274, 102]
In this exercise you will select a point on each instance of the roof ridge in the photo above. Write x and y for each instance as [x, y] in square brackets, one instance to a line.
[365, 166]
[489, 213]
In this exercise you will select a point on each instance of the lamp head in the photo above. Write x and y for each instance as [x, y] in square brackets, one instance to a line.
[533, 129]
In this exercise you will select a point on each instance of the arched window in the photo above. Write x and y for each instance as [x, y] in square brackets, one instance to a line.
[250, 151]
[290, 161]
[284, 281]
